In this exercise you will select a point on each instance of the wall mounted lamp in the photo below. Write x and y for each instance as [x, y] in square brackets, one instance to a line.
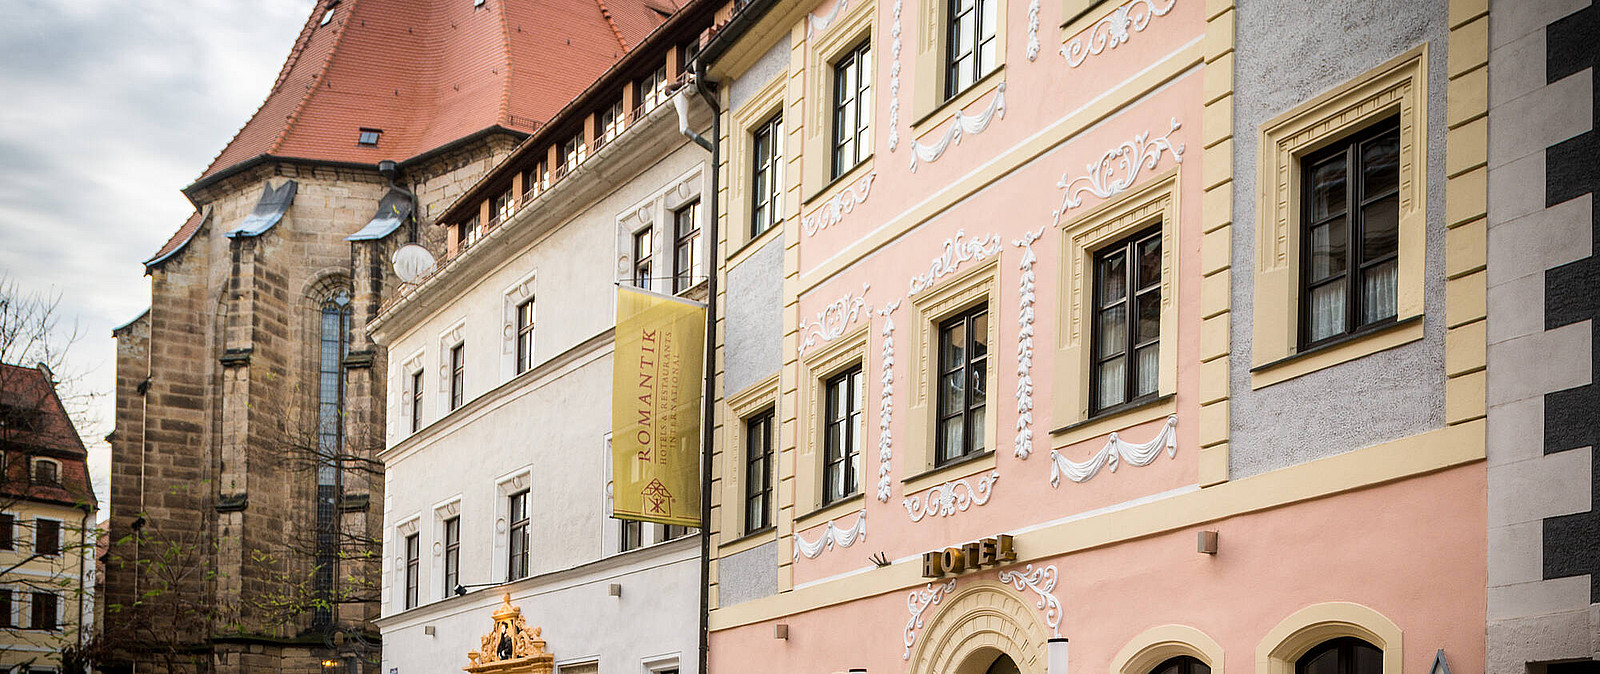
[1206, 543]
[781, 631]
[614, 589]
[1056, 655]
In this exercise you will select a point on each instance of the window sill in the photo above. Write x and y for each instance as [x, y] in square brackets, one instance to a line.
[960, 101]
[828, 513]
[967, 465]
[1114, 419]
[750, 541]
[1321, 357]
[849, 177]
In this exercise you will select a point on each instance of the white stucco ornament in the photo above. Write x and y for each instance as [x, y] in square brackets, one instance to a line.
[1042, 581]
[1115, 171]
[961, 126]
[839, 205]
[1022, 444]
[816, 24]
[1115, 451]
[1033, 30]
[918, 603]
[957, 250]
[1116, 28]
[832, 535]
[831, 322]
[894, 79]
[886, 405]
[951, 497]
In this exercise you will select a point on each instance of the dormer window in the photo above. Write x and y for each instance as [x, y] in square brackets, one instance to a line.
[368, 137]
[46, 471]
[327, 16]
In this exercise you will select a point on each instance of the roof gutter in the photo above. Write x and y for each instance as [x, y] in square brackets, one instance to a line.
[742, 20]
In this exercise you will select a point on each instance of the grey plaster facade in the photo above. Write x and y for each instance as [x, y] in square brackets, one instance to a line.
[1287, 53]
[775, 61]
[1541, 288]
[747, 575]
[753, 347]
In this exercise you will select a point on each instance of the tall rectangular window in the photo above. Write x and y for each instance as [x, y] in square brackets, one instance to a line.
[843, 404]
[688, 262]
[1125, 333]
[609, 124]
[652, 90]
[44, 611]
[962, 379]
[469, 232]
[502, 207]
[571, 154]
[517, 545]
[416, 401]
[1350, 235]
[452, 555]
[413, 568]
[46, 537]
[643, 246]
[524, 336]
[458, 375]
[8, 536]
[758, 472]
[632, 535]
[969, 43]
[852, 108]
[766, 201]
[535, 179]
[5, 607]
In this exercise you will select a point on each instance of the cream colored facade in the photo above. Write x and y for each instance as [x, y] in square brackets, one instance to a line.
[67, 575]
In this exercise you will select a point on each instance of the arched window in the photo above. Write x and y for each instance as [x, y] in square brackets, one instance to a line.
[333, 344]
[1182, 664]
[1003, 665]
[1345, 655]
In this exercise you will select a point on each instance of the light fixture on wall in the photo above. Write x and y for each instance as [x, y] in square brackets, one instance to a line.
[1056, 655]
[1206, 543]
[614, 589]
[428, 630]
[859, 670]
[781, 631]
[1439, 665]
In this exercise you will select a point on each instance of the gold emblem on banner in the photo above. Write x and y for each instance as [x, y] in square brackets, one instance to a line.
[655, 408]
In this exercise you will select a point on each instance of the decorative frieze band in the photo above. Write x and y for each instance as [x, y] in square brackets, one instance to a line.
[839, 205]
[956, 251]
[831, 322]
[1126, 160]
[1113, 30]
[951, 497]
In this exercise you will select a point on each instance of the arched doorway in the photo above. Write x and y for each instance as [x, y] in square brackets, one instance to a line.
[983, 628]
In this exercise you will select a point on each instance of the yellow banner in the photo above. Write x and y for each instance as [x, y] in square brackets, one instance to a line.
[655, 408]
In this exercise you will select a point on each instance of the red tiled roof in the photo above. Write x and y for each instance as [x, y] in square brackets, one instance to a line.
[430, 73]
[49, 432]
[178, 240]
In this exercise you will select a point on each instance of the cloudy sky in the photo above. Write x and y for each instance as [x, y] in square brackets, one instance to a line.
[107, 109]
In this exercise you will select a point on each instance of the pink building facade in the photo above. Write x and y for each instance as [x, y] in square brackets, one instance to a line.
[1177, 301]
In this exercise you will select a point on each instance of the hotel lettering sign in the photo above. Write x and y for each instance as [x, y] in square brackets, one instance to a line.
[970, 557]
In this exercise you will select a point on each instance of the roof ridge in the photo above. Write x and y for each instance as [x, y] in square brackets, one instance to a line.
[505, 66]
[316, 79]
[606, 12]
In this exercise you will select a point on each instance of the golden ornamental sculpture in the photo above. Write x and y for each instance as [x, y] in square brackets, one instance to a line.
[511, 647]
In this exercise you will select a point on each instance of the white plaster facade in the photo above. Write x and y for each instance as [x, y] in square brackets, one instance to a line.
[544, 430]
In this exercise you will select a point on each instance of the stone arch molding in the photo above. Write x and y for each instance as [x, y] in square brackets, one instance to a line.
[1159, 644]
[985, 618]
[1297, 634]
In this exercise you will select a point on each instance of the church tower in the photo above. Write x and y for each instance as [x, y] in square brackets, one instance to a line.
[247, 501]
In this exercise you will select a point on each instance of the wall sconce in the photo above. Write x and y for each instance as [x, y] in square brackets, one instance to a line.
[1206, 543]
[428, 630]
[1439, 665]
[614, 589]
[1056, 655]
[781, 631]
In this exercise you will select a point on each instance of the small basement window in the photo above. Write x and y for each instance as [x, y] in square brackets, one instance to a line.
[369, 137]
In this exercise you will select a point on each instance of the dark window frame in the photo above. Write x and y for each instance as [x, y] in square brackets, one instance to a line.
[1134, 289]
[8, 531]
[6, 607]
[416, 401]
[632, 535]
[973, 368]
[367, 137]
[1346, 661]
[45, 604]
[644, 243]
[524, 344]
[458, 376]
[517, 536]
[766, 176]
[954, 81]
[688, 260]
[46, 537]
[1181, 664]
[452, 554]
[850, 146]
[413, 585]
[40, 477]
[1356, 261]
[609, 123]
[842, 449]
[758, 443]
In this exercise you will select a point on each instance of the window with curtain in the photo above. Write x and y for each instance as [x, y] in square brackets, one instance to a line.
[1125, 330]
[962, 384]
[1350, 241]
[842, 408]
[758, 472]
[969, 43]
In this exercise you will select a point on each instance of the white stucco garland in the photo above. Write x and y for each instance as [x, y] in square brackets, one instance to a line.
[1033, 30]
[886, 405]
[918, 603]
[839, 205]
[1128, 159]
[951, 497]
[1023, 443]
[1112, 30]
[956, 250]
[832, 535]
[816, 24]
[1041, 581]
[1116, 450]
[894, 79]
[831, 322]
[961, 125]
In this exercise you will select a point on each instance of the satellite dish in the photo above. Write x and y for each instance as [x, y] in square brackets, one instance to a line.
[412, 262]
